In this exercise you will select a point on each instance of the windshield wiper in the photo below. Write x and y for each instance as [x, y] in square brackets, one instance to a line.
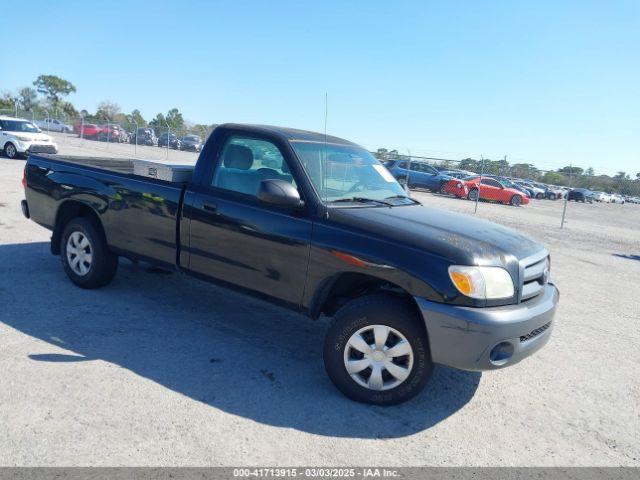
[363, 200]
[393, 197]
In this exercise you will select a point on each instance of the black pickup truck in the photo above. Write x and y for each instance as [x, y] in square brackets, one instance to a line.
[316, 224]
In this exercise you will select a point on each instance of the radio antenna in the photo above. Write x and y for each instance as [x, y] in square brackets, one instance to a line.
[326, 111]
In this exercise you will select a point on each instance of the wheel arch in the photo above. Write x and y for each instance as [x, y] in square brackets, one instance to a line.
[342, 287]
[67, 211]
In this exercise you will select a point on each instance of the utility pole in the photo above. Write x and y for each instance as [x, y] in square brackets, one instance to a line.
[566, 198]
[479, 183]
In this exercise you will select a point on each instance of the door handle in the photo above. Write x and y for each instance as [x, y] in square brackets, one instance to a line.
[210, 207]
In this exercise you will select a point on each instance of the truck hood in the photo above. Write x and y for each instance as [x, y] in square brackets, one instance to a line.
[461, 239]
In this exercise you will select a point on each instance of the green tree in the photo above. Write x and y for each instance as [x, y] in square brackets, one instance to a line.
[553, 178]
[107, 110]
[382, 154]
[589, 172]
[27, 98]
[136, 117]
[571, 170]
[6, 101]
[621, 175]
[202, 130]
[68, 109]
[175, 120]
[469, 164]
[53, 88]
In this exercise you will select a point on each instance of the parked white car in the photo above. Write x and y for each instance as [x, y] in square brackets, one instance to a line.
[19, 136]
[617, 199]
[54, 125]
[600, 197]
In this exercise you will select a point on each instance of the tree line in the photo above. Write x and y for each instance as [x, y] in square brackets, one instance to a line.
[48, 97]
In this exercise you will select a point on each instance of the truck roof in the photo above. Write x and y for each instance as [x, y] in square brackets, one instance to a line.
[291, 134]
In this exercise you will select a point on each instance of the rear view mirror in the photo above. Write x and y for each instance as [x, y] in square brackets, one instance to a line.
[280, 193]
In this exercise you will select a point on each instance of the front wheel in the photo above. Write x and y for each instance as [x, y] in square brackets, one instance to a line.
[85, 256]
[552, 196]
[10, 150]
[539, 196]
[443, 189]
[516, 200]
[473, 194]
[376, 350]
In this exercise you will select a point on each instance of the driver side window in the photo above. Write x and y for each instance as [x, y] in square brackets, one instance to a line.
[246, 161]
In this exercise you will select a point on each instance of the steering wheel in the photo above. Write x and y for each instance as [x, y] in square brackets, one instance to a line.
[357, 187]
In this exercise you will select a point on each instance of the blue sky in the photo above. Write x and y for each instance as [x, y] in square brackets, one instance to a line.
[545, 82]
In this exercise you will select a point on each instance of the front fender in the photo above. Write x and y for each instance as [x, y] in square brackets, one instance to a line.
[335, 252]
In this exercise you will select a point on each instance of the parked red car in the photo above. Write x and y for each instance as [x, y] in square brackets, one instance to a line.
[487, 188]
[112, 133]
[89, 130]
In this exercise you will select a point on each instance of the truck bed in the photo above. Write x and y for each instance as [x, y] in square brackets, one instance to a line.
[140, 214]
[123, 165]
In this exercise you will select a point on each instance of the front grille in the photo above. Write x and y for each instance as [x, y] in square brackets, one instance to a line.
[535, 333]
[535, 277]
[42, 149]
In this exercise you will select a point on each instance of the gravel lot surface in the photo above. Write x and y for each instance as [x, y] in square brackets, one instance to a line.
[159, 369]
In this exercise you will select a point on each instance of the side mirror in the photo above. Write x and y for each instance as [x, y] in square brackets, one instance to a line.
[279, 193]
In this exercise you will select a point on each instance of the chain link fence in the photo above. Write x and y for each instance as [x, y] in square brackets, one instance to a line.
[123, 137]
[127, 138]
[483, 179]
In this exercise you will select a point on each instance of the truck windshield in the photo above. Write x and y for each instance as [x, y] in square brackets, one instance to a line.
[343, 172]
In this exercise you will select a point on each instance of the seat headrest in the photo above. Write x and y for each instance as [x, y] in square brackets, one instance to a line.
[238, 156]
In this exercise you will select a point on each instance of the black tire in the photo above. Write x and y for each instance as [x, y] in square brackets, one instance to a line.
[10, 150]
[104, 263]
[516, 200]
[539, 196]
[377, 309]
[473, 194]
[552, 196]
[442, 189]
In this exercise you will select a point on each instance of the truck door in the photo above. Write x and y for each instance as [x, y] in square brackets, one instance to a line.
[237, 239]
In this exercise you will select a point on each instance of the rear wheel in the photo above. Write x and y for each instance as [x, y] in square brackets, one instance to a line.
[552, 196]
[376, 350]
[473, 194]
[10, 150]
[85, 256]
[539, 196]
[516, 200]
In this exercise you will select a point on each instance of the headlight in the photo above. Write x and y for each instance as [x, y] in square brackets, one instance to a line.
[482, 282]
[23, 139]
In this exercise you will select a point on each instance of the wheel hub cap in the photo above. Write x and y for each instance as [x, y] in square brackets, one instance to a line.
[79, 253]
[378, 357]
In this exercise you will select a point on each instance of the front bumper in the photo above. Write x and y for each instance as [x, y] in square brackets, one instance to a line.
[35, 147]
[467, 338]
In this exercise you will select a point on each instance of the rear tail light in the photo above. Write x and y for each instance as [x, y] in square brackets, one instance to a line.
[24, 177]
